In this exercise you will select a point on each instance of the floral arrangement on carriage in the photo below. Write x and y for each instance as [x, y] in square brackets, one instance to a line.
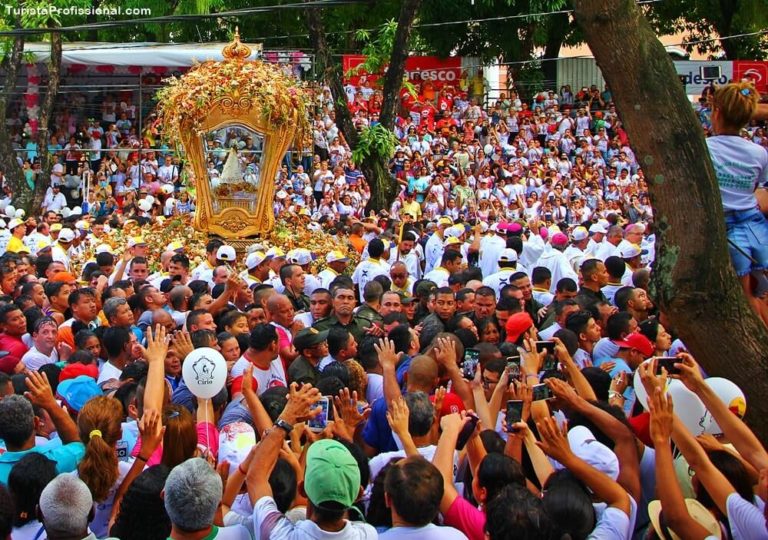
[212, 101]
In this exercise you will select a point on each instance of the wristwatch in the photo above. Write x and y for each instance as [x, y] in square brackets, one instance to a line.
[282, 424]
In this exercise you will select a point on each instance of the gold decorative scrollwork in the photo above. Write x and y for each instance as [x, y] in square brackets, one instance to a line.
[233, 224]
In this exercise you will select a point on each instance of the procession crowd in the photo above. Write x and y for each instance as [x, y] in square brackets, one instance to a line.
[481, 360]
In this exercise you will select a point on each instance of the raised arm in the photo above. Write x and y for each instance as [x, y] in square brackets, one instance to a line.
[668, 489]
[300, 402]
[574, 374]
[451, 425]
[445, 354]
[40, 393]
[155, 353]
[388, 359]
[742, 438]
[261, 419]
[624, 441]
[554, 442]
[397, 417]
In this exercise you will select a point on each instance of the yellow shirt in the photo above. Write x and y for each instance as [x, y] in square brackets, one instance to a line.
[15, 245]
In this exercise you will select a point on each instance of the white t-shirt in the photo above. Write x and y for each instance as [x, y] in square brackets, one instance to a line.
[33, 359]
[271, 524]
[108, 372]
[265, 378]
[612, 523]
[740, 165]
[366, 271]
[428, 532]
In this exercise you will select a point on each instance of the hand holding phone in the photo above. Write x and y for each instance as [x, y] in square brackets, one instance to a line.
[469, 365]
[514, 414]
[542, 392]
[320, 422]
[467, 431]
[668, 363]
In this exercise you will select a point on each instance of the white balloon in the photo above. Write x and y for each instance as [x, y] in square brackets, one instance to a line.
[20, 213]
[640, 393]
[204, 372]
[688, 407]
[66, 212]
[730, 394]
[150, 199]
[10, 211]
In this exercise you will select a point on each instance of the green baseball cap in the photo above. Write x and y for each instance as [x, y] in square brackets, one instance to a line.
[332, 474]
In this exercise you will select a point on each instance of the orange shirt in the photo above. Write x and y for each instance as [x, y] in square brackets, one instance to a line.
[357, 242]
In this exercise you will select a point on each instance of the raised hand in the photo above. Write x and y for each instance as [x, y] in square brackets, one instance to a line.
[397, 416]
[39, 391]
[662, 415]
[157, 345]
[346, 407]
[300, 403]
[151, 430]
[386, 351]
[554, 440]
[690, 373]
[563, 390]
[182, 344]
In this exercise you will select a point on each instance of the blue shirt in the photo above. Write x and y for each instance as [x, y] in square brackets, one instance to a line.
[377, 432]
[621, 365]
[66, 456]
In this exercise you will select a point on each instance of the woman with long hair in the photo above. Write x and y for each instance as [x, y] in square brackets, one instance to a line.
[100, 426]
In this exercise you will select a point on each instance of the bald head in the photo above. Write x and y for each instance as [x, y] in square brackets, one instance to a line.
[276, 302]
[164, 319]
[474, 284]
[422, 374]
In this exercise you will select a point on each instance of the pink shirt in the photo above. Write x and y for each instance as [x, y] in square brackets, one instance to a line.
[465, 517]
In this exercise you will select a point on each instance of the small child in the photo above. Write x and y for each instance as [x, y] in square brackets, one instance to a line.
[740, 166]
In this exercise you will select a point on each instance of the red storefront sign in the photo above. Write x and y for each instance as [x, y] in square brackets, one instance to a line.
[419, 69]
[755, 70]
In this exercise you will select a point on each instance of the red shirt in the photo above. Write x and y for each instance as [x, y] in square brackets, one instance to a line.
[16, 350]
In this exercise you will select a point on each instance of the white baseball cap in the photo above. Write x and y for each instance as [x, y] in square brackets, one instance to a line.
[66, 235]
[586, 447]
[300, 256]
[507, 255]
[104, 248]
[629, 250]
[254, 259]
[596, 228]
[274, 253]
[136, 241]
[15, 222]
[336, 256]
[226, 253]
[579, 234]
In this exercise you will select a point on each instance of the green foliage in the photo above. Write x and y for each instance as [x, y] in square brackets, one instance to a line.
[376, 141]
[530, 79]
[376, 48]
[508, 39]
[705, 19]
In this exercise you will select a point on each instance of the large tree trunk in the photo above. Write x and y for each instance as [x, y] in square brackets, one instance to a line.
[693, 281]
[11, 65]
[46, 113]
[383, 186]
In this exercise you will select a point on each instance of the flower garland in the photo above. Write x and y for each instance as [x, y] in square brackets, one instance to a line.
[187, 100]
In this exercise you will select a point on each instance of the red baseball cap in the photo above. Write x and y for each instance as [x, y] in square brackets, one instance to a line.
[517, 325]
[638, 341]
